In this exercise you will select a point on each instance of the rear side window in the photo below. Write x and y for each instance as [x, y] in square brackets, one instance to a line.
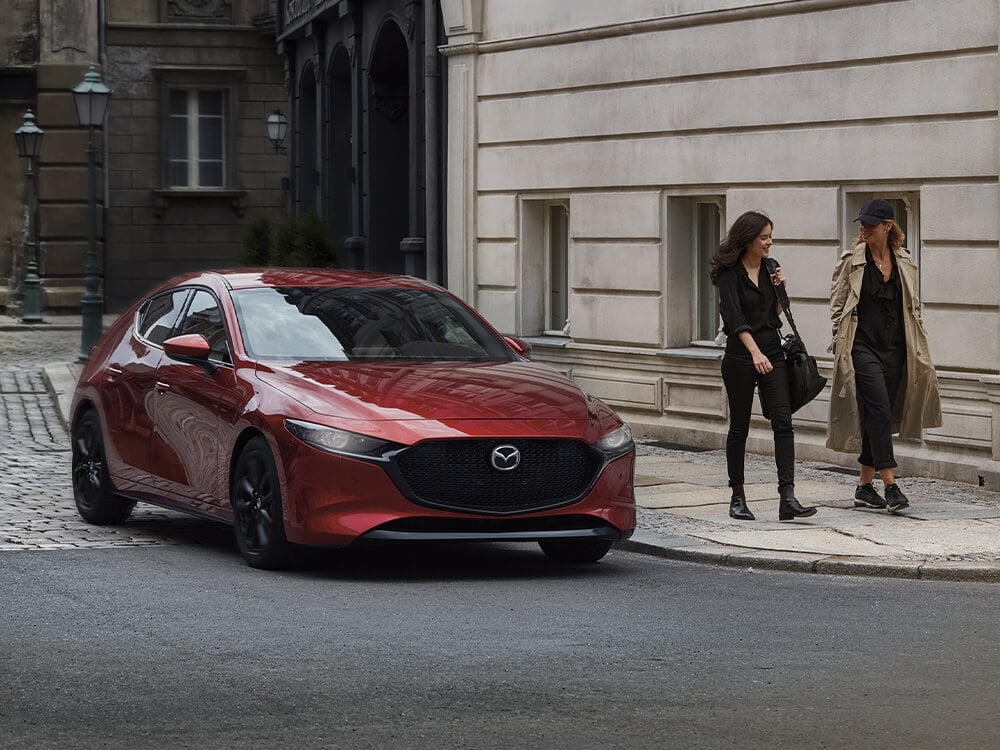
[158, 316]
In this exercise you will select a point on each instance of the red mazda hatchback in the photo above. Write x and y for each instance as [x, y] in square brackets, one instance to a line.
[331, 407]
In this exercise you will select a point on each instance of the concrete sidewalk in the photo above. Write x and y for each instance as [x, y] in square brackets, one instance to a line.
[950, 532]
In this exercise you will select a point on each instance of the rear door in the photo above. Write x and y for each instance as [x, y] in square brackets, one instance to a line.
[130, 390]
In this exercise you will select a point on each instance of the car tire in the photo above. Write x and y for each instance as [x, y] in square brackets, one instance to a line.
[95, 497]
[575, 550]
[257, 508]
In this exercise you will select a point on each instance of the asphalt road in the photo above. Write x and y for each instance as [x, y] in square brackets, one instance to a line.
[182, 645]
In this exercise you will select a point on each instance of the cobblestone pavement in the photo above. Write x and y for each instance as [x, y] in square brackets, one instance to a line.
[36, 496]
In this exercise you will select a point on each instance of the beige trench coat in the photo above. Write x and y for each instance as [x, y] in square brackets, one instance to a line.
[918, 402]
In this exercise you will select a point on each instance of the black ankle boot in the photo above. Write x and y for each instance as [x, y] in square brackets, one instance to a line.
[789, 507]
[738, 505]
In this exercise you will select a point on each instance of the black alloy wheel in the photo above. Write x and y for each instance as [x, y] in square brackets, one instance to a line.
[93, 492]
[575, 550]
[257, 510]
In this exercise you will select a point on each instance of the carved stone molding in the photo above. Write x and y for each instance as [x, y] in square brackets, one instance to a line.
[196, 11]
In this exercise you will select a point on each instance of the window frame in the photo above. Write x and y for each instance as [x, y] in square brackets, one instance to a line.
[551, 287]
[702, 281]
[228, 80]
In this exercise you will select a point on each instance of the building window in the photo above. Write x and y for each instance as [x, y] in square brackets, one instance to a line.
[196, 132]
[543, 268]
[557, 308]
[199, 112]
[707, 221]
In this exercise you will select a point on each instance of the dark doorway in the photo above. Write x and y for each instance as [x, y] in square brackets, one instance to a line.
[341, 173]
[388, 149]
[308, 170]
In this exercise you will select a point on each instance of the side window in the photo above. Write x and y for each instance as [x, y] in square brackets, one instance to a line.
[204, 316]
[543, 277]
[557, 309]
[707, 222]
[159, 315]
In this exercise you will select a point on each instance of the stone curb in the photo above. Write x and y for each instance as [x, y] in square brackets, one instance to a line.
[686, 550]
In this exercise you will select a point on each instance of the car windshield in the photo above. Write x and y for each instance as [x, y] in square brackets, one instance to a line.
[361, 323]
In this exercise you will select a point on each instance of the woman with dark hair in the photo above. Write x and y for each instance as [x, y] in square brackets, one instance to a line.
[883, 377]
[754, 358]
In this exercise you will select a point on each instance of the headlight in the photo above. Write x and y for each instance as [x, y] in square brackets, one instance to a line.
[332, 440]
[617, 443]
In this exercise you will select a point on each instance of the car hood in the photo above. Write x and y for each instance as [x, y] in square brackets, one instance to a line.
[439, 391]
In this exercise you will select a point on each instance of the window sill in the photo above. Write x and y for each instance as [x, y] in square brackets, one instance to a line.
[694, 352]
[559, 342]
[164, 197]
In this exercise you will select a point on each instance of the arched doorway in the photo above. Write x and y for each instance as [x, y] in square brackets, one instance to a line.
[308, 163]
[342, 201]
[388, 149]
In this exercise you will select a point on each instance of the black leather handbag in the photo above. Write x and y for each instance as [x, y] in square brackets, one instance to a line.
[804, 381]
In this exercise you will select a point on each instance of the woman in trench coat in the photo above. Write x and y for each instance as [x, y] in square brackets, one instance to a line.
[883, 378]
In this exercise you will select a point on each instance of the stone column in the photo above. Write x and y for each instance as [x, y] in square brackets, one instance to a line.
[68, 45]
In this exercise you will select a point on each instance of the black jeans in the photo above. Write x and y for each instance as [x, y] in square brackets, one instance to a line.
[877, 380]
[740, 379]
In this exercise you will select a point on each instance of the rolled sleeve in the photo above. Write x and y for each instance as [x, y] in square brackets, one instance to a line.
[733, 320]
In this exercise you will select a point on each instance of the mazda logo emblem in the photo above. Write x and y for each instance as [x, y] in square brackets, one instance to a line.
[505, 458]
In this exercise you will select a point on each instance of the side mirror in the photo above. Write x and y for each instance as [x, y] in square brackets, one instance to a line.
[193, 348]
[519, 346]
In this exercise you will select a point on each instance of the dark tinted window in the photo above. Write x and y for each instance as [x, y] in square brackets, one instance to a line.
[159, 315]
[204, 316]
[350, 323]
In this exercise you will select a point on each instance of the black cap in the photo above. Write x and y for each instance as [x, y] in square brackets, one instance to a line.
[875, 212]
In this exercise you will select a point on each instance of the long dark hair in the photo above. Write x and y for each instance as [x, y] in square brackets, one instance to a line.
[743, 231]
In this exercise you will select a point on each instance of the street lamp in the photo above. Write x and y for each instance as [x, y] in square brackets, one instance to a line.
[91, 99]
[29, 145]
[277, 129]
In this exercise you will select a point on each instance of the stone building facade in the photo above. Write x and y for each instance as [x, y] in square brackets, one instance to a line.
[366, 109]
[188, 157]
[46, 47]
[18, 63]
[596, 152]
[182, 160]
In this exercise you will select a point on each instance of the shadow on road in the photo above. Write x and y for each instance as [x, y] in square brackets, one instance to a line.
[401, 561]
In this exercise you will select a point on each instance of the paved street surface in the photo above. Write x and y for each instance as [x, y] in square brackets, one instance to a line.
[951, 531]
[155, 634]
[484, 647]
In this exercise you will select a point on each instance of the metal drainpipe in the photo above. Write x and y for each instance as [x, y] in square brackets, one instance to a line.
[432, 207]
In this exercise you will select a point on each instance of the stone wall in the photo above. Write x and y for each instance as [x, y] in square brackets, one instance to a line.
[627, 113]
[155, 232]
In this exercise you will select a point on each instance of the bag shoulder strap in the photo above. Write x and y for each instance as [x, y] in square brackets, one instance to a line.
[782, 293]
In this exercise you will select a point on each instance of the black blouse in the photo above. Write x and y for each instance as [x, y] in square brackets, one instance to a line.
[746, 306]
[880, 308]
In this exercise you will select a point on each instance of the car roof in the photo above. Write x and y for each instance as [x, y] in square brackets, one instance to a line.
[264, 278]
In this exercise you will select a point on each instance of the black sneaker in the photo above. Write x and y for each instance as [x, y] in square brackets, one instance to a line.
[865, 496]
[895, 500]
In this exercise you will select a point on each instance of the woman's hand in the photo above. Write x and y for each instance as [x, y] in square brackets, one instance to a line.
[778, 278]
[761, 363]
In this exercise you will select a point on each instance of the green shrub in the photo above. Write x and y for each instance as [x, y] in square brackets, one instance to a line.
[258, 240]
[298, 241]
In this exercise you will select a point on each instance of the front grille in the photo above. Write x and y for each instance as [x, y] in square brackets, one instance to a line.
[458, 475]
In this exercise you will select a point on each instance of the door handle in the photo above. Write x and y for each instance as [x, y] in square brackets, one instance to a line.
[113, 372]
[161, 387]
